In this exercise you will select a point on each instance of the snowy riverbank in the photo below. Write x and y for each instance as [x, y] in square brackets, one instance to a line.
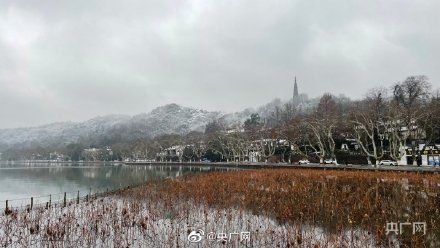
[117, 222]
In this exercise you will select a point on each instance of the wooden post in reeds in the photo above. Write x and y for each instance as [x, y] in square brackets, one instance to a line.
[32, 202]
[50, 200]
[65, 200]
[7, 210]
[77, 198]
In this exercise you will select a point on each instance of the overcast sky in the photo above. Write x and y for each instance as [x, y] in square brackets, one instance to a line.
[73, 60]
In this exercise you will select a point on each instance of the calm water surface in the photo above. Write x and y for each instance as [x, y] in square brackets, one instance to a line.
[19, 182]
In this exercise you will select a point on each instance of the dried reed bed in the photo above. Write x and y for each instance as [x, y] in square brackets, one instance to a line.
[113, 222]
[336, 201]
[279, 207]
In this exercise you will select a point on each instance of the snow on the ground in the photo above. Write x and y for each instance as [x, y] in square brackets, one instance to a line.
[118, 222]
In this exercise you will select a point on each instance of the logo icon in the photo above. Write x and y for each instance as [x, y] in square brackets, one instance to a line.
[196, 236]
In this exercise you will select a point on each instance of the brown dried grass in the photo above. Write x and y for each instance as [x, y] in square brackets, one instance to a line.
[334, 200]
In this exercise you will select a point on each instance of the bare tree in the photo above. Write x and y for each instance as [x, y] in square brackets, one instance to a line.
[265, 148]
[220, 145]
[410, 99]
[293, 133]
[368, 118]
[199, 149]
[322, 124]
[196, 142]
[431, 124]
[242, 144]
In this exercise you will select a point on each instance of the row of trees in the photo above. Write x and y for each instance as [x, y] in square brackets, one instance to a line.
[385, 125]
[379, 126]
[382, 125]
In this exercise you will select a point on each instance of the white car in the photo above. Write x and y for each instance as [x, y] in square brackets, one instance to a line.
[330, 161]
[304, 161]
[388, 162]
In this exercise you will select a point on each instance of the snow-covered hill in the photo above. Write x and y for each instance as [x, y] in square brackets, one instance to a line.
[63, 132]
[173, 118]
[170, 118]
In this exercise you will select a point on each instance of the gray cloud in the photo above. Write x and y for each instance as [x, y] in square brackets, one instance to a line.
[73, 60]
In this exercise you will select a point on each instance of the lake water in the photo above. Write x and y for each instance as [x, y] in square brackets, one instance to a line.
[20, 182]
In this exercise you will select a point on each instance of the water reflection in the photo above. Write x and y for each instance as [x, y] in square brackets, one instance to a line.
[23, 181]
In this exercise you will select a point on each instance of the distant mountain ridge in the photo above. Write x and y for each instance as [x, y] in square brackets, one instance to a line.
[64, 132]
[102, 130]
[171, 118]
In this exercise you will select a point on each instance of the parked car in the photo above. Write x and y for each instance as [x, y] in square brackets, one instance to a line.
[330, 161]
[304, 161]
[388, 162]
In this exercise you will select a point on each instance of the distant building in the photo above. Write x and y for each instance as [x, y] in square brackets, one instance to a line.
[298, 99]
[55, 156]
[171, 154]
[429, 155]
[295, 90]
[350, 145]
[414, 151]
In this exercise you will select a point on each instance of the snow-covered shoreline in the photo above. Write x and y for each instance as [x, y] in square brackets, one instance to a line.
[261, 208]
[123, 222]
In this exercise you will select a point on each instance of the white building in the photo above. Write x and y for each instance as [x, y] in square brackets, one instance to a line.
[430, 155]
